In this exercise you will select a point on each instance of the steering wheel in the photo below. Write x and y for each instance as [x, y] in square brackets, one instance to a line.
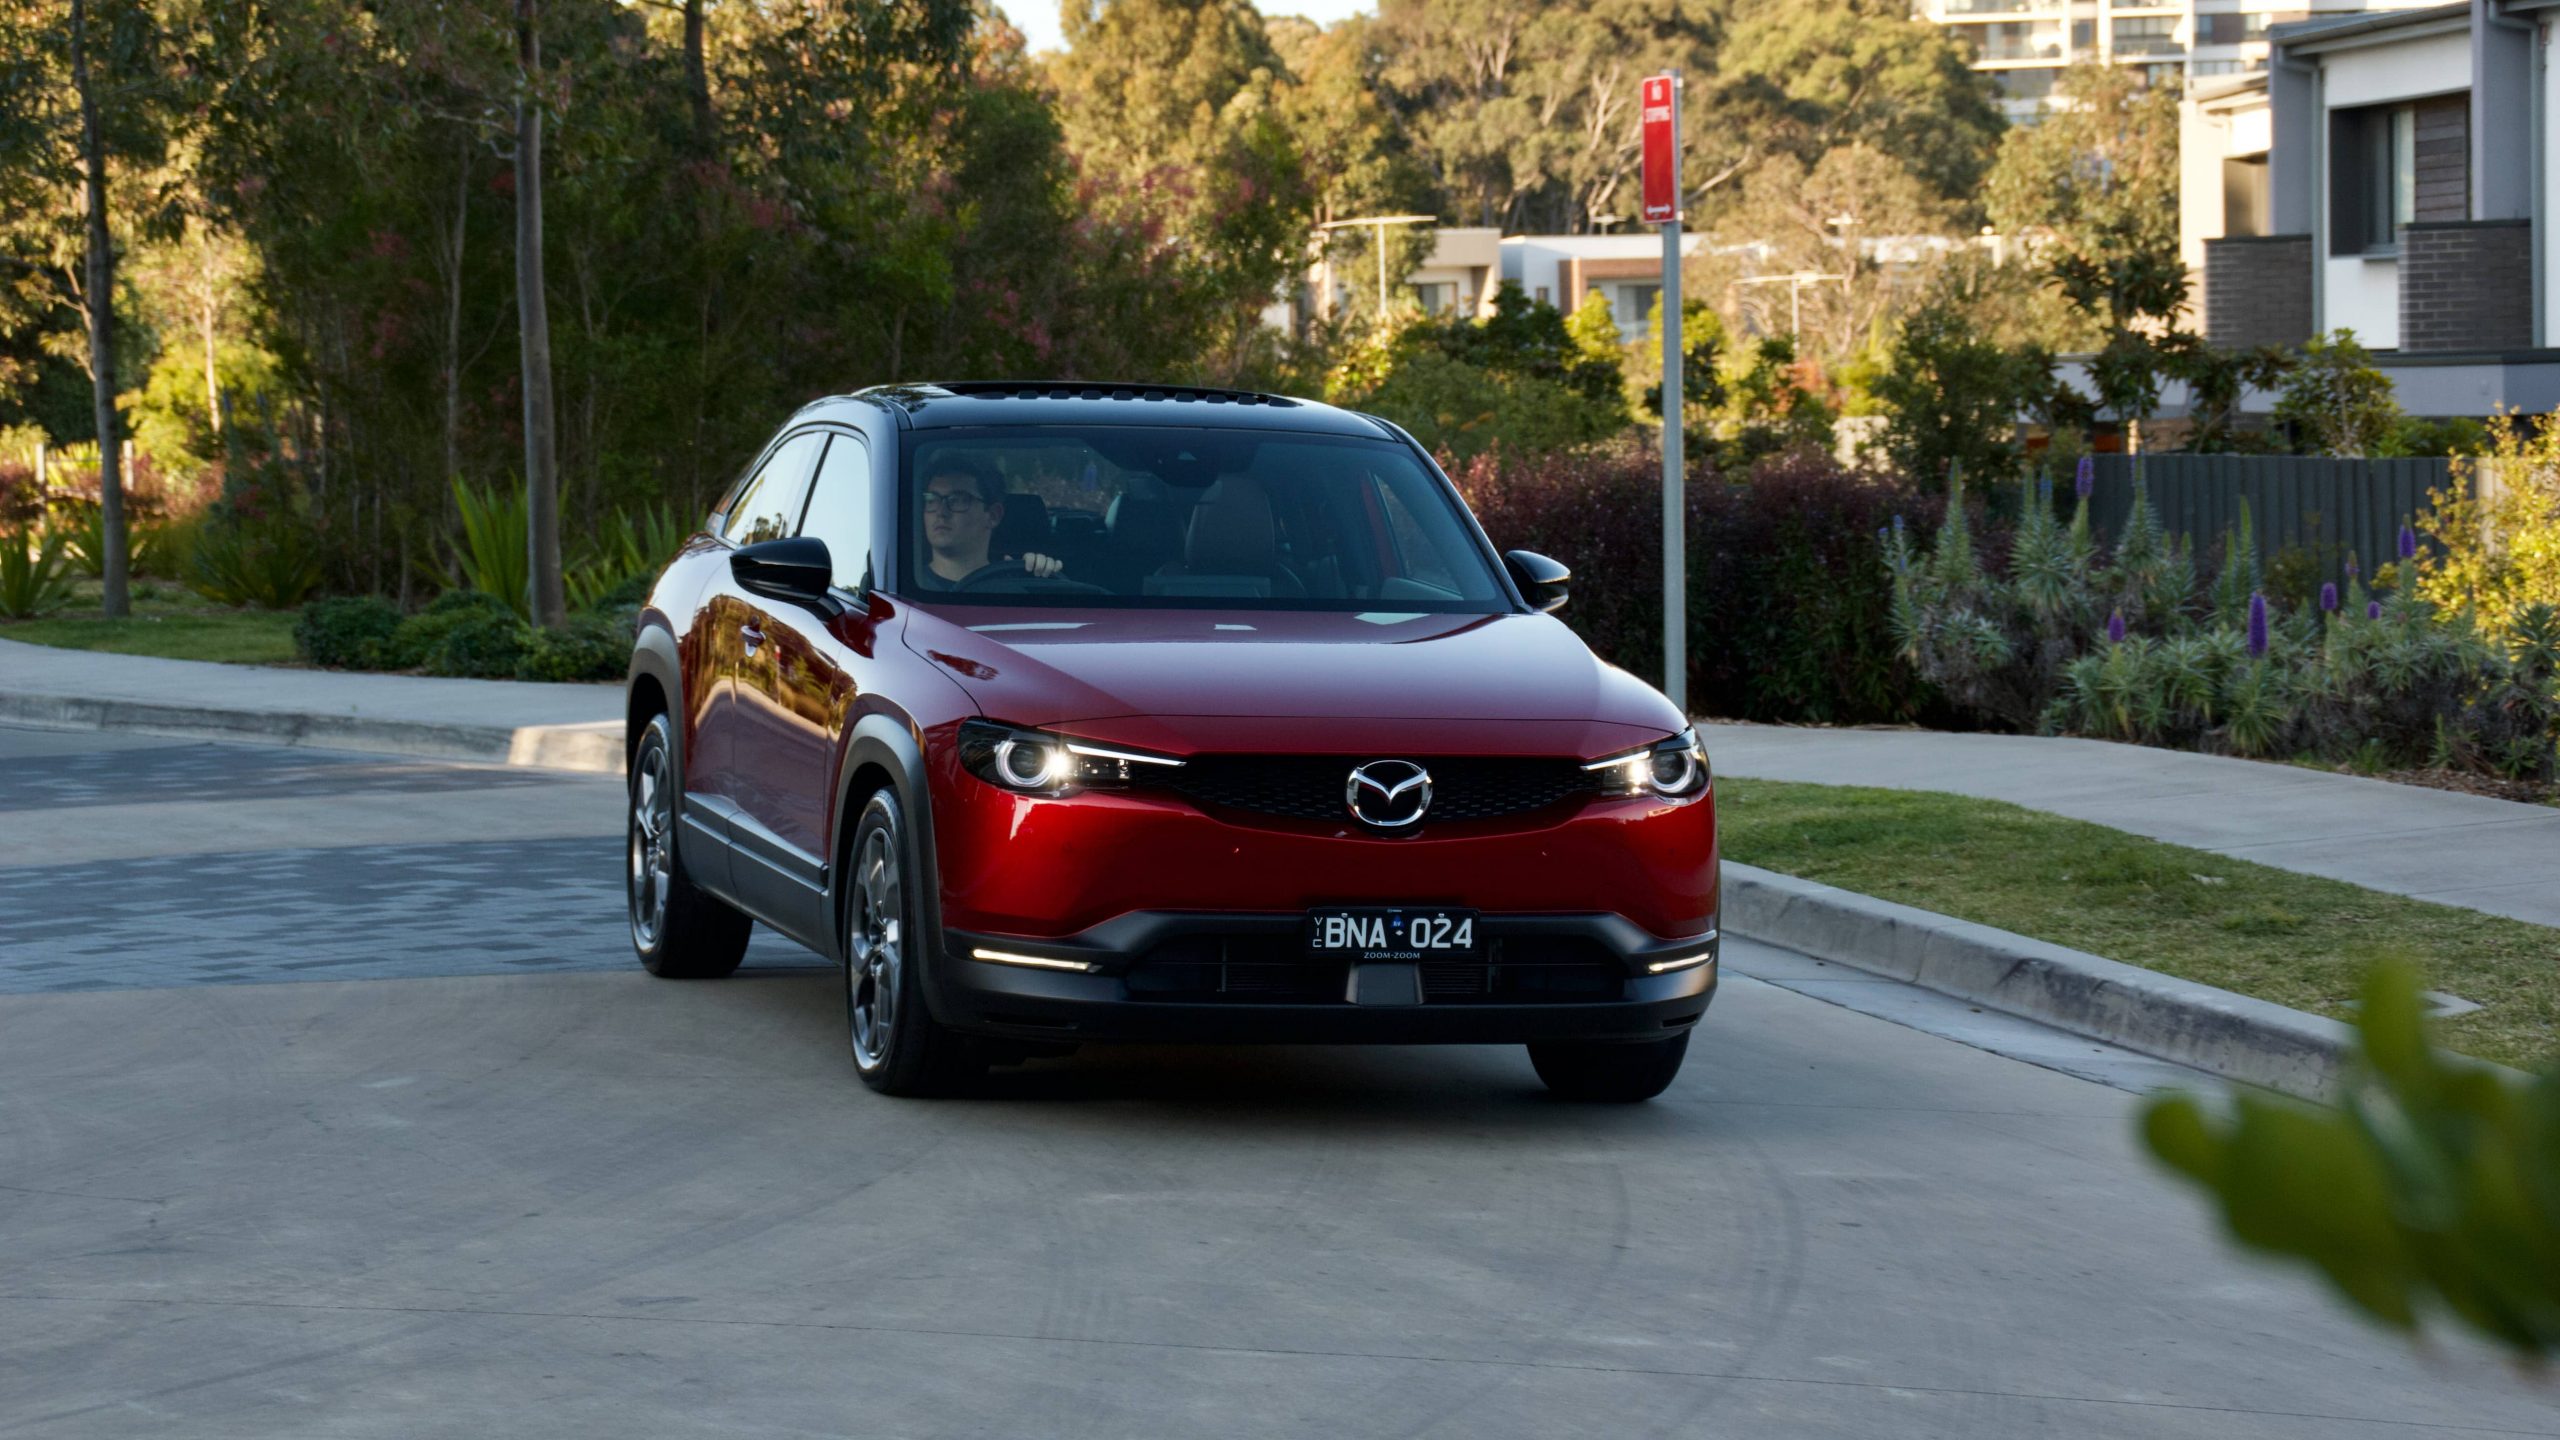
[989, 576]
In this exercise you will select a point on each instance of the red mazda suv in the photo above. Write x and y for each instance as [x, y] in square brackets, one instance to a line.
[1063, 713]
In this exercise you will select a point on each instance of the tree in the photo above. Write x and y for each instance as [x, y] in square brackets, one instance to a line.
[1868, 73]
[1785, 219]
[90, 89]
[1954, 399]
[1525, 113]
[1174, 107]
[1357, 156]
[550, 601]
[2336, 401]
[2095, 185]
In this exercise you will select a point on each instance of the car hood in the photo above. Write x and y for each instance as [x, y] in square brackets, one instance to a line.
[1341, 672]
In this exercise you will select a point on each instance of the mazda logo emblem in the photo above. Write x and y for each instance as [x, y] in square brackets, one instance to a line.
[1388, 794]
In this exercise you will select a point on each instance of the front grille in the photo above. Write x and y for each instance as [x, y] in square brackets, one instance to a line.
[1310, 787]
[1525, 970]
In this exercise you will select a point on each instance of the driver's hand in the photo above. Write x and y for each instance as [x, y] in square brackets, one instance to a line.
[1041, 565]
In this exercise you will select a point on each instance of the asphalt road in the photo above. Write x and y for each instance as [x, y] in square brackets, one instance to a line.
[331, 1105]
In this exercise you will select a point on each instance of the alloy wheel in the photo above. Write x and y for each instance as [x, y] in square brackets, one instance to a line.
[652, 845]
[872, 971]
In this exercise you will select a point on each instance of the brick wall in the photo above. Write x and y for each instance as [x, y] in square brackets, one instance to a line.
[2466, 285]
[2257, 290]
[2443, 159]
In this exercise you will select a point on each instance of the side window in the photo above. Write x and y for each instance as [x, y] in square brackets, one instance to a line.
[768, 506]
[840, 509]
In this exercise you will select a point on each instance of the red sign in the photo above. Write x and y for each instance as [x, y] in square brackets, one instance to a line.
[1661, 149]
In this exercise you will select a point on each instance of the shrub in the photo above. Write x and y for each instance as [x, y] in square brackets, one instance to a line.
[1954, 396]
[2336, 401]
[625, 562]
[422, 635]
[34, 577]
[589, 647]
[347, 632]
[272, 561]
[2129, 645]
[494, 553]
[1996, 645]
[482, 644]
[1787, 599]
[2497, 556]
[1517, 380]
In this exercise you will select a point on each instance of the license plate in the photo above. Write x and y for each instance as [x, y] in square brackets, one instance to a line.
[1383, 933]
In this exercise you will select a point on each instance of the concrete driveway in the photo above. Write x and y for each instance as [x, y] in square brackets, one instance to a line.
[515, 1187]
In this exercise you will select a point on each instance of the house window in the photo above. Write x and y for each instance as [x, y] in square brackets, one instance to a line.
[1635, 302]
[1436, 298]
[2151, 35]
[2373, 178]
[1542, 294]
[2245, 207]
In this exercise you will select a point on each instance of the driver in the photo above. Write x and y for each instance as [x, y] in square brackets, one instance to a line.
[963, 503]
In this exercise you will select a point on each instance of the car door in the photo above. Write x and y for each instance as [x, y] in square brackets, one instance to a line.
[735, 644]
[794, 704]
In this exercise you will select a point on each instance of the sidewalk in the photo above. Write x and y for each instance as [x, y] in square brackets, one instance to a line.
[568, 727]
[2496, 856]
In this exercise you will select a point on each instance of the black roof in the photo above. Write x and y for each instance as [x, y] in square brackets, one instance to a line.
[1046, 402]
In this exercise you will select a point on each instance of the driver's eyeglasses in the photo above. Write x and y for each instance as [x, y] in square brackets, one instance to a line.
[958, 502]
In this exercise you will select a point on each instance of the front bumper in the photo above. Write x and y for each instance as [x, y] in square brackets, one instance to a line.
[1225, 978]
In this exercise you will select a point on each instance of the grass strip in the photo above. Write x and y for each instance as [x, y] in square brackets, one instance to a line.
[2297, 940]
[172, 624]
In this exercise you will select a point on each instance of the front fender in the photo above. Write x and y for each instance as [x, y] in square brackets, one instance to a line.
[890, 744]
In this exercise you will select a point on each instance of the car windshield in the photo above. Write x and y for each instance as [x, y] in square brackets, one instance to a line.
[1159, 518]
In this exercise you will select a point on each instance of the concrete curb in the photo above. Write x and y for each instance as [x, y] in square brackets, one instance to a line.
[594, 747]
[2253, 1041]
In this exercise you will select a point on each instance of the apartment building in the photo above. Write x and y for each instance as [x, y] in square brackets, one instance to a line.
[2393, 174]
[2024, 45]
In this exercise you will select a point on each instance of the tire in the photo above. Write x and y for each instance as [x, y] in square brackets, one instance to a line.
[898, 1047]
[1612, 1072]
[681, 931]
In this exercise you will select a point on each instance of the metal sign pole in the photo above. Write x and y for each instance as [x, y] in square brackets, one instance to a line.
[1675, 557]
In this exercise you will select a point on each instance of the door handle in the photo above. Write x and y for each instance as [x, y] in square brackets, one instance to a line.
[752, 635]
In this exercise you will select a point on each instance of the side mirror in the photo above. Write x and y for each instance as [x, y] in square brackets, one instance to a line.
[796, 569]
[1545, 582]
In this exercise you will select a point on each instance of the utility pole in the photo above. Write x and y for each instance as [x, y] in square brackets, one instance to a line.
[1661, 123]
[1379, 224]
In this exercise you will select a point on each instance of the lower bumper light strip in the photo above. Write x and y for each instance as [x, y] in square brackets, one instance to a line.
[1684, 962]
[1036, 962]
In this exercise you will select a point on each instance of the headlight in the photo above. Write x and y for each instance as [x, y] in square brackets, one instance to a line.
[1035, 762]
[1673, 769]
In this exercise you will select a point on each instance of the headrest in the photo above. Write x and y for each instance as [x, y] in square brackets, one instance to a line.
[1143, 530]
[1025, 526]
[1231, 532]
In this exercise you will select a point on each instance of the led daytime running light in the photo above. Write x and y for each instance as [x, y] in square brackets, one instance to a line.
[1036, 962]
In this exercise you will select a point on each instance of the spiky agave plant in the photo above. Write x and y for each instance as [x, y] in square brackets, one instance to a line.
[35, 579]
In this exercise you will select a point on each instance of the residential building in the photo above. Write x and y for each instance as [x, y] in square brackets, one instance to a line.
[2024, 45]
[2392, 174]
[1461, 276]
[1561, 269]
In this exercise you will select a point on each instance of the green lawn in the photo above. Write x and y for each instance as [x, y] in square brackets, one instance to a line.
[165, 621]
[2293, 939]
